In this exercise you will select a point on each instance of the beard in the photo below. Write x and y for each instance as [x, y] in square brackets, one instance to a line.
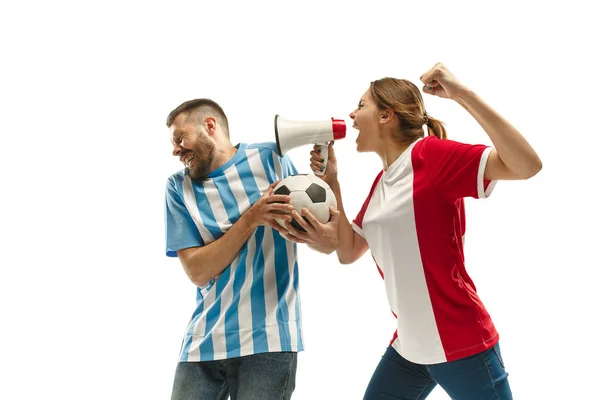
[204, 154]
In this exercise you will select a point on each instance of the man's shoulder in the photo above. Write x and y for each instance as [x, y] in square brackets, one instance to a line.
[175, 179]
[263, 145]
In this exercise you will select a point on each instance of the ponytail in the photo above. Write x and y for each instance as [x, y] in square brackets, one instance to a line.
[436, 128]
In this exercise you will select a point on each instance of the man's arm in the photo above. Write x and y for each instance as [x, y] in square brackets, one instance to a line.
[202, 264]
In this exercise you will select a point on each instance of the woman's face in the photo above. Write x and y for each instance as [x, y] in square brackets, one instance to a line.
[366, 121]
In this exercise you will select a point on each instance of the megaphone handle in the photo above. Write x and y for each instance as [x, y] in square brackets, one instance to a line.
[324, 147]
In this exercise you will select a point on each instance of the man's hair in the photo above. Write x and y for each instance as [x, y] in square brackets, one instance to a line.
[199, 109]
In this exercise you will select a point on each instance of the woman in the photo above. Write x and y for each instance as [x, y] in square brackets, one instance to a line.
[413, 223]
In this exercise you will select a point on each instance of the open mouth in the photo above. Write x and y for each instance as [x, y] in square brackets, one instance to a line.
[187, 160]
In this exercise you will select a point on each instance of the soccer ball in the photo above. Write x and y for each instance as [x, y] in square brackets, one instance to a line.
[307, 191]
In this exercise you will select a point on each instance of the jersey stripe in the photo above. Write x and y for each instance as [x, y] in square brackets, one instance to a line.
[215, 202]
[247, 178]
[234, 183]
[290, 296]
[224, 295]
[257, 167]
[419, 312]
[245, 308]
[282, 279]
[209, 219]
[484, 190]
[297, 302]
[232, 323]
[278, 167]
[202, 342]
[257, 293]
[187, 340]
[270, 290]
[189, 199]
[266, 157]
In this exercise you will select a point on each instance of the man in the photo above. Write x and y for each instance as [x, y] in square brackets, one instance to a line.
[243, 338]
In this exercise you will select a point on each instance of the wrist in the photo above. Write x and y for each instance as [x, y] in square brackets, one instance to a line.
[463, 95]
[334, 184]
[248, 219]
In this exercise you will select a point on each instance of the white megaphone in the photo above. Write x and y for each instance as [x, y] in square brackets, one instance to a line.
[290, 134]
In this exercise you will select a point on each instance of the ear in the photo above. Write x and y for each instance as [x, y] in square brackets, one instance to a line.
[211, 125]
[386, 116]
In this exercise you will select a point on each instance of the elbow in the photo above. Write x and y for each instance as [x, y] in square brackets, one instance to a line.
[538, 167]
[328, 251]
[348, 254]
[533, 170]
[345, 259]
[198, 278]
[195, 271]
[200, 281]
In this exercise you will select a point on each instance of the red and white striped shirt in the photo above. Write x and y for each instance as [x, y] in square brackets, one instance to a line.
[414, 223]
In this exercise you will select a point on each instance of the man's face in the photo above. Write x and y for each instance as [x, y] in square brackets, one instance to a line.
[192, 146]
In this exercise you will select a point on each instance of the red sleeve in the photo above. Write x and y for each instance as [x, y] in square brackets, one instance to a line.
[456, 169]
[357, 222]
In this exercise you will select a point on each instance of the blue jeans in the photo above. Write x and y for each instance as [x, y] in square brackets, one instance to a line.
[263, 376]
[478, 377]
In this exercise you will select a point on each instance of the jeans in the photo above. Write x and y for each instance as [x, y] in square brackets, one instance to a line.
[478, 377]
[264, 376]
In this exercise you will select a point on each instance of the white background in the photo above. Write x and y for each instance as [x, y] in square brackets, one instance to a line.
[90, 306]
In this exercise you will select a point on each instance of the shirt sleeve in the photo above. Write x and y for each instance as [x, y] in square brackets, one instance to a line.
[457, 169]
[357, 222]
[180, 229]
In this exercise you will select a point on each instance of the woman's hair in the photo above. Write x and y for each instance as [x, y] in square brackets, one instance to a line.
[404, 98]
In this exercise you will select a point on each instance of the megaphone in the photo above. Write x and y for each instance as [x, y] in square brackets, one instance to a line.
[290, 134]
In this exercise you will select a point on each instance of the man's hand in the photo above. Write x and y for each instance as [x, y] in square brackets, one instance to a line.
[270, 206]
[320, 237]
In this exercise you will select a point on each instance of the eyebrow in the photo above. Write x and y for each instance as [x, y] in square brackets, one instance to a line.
[178, 134]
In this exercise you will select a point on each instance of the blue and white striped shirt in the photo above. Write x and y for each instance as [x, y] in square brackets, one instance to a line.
[253, 306]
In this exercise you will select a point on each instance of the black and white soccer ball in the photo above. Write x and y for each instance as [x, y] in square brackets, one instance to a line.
[308, 191]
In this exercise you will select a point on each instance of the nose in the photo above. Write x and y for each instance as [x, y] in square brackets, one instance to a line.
[352, 115]
[176, 150]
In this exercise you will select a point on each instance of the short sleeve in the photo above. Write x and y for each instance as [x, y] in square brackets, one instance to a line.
[358, 220]
[456, 169]
[180, 229]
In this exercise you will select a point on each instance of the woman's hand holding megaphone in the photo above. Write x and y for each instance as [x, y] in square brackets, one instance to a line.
[324, 164]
